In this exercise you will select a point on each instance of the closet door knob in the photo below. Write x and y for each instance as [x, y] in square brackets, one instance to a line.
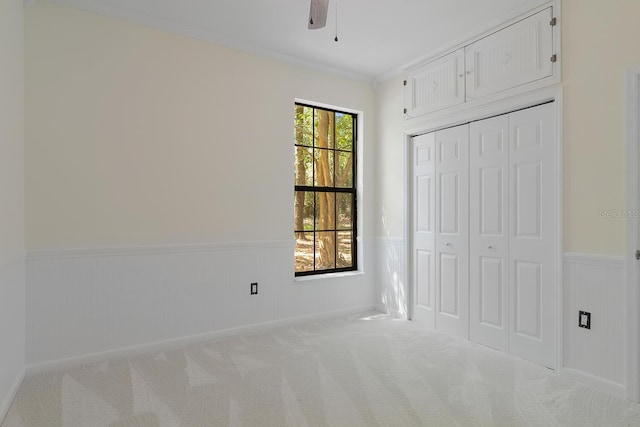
[448, 244]
[489, 247]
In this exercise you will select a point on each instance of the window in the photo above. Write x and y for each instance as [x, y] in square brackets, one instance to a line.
[325, 190]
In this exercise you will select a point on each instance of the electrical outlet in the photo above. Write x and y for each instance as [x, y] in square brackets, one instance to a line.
[254, 288]
[584, 319]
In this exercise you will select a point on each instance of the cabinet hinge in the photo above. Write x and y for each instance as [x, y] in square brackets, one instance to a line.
[554, 58]
[638, 254]
[405, 111]
[404, 83]
[553, 21]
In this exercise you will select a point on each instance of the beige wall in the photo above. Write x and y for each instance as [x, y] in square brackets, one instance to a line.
[390, 161]
[138, 136]
[12, 281]
[600, 40]
[132, 131]
[11, 131]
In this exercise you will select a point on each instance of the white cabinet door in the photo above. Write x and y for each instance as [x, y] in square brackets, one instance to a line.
[452, 231]
[489, 231]
[518, 54]
[423, 225]
[532, 234]
[435, 85]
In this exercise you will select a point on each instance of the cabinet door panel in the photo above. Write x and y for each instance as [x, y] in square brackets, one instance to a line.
[436, 85]
[518, 54]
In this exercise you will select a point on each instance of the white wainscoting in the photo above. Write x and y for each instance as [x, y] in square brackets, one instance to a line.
[392, 290]
[596, 356]
[12, 331]
[85, 305]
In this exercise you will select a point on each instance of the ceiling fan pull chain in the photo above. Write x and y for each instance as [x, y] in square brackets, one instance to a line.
[336, 39]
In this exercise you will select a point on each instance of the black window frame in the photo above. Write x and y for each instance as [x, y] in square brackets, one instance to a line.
[353, 190]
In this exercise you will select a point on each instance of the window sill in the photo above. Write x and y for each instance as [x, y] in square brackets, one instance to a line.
[328, 276]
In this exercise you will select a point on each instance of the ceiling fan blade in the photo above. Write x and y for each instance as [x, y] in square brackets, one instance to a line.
[318, 14]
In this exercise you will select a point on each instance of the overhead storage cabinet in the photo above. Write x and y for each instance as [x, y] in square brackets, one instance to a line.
[435, 85]
[516, 55]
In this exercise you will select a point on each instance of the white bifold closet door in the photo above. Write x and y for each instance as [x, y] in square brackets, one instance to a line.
[532, 234]
[513, 233]
[484, 232]
[440, 228]
[489, 231]
[452, 231]
[423, 227]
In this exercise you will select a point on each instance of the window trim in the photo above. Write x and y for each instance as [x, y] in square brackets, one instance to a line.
[355, 190]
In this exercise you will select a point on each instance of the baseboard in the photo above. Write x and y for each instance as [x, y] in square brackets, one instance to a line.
[614, 389]
[174, 343]
[8, 400]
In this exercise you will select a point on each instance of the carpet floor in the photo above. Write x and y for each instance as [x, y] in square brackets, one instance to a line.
[366, 370]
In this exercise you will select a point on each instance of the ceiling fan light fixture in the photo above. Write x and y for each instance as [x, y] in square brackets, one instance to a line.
[318, 14]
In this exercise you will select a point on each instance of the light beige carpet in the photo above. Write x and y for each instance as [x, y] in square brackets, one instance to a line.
[364, 370]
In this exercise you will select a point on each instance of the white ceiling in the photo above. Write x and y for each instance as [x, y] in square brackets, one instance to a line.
[376, 37]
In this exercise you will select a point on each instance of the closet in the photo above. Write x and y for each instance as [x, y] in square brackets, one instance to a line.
[484, 238]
